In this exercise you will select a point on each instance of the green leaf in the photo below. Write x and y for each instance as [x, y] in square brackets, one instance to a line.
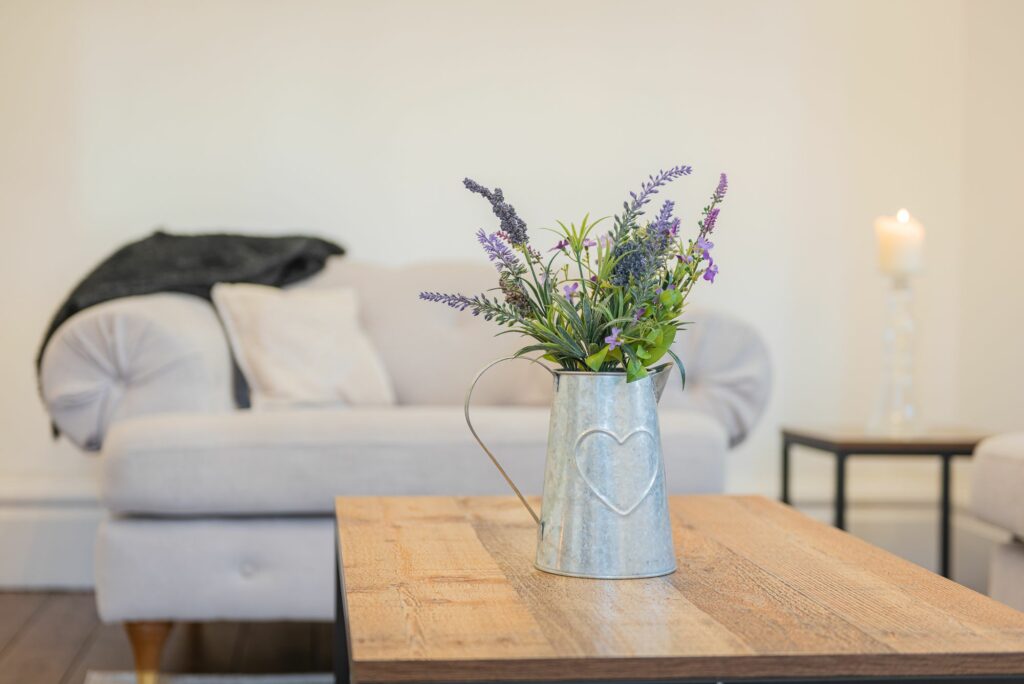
[670, 334]
[635, 370]
[679, 365]
[595, 360]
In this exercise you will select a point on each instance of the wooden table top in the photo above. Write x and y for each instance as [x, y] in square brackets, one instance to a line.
[930, 442]
[444, 589]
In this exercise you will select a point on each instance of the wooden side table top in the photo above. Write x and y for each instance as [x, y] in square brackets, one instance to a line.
[444, 589]
[930, 442]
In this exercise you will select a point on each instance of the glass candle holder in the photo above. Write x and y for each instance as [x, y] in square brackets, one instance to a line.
[895, 412]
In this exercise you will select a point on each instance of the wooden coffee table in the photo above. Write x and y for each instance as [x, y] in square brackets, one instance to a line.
[443, 589]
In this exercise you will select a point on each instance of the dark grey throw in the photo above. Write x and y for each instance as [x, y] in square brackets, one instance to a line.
[193, 264]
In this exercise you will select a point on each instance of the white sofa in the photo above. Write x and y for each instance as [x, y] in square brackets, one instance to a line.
[998, 478]
[218, 513]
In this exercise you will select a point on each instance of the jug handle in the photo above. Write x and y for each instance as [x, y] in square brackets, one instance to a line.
[494, 459]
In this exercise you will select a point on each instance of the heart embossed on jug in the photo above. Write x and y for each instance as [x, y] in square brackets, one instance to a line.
[620, 471]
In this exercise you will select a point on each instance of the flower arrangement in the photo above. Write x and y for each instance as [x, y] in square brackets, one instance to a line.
[596, 301]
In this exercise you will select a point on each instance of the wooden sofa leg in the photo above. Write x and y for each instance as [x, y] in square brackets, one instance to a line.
[147, 644]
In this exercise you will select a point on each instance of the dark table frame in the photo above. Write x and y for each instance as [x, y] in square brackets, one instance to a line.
[342, 648]
[843, 448]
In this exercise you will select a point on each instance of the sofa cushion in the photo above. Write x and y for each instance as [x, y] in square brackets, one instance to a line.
[301, 347]
[297, 461]
[432, 351]
[998, 480]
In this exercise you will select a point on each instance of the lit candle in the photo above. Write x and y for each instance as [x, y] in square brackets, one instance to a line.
[900, 243]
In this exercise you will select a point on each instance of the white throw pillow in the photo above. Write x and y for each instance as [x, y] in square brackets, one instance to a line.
[301, 347]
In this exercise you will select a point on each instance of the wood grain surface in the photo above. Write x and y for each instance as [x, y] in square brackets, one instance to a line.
[444, 589]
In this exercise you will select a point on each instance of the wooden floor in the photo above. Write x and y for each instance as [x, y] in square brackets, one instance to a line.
[55, 638]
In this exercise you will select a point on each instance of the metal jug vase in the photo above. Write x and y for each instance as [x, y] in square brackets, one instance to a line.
[604, 512]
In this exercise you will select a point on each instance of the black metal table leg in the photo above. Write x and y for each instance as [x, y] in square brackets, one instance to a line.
[839, 516]
[342, 671]
[785, 470]
[945, 515]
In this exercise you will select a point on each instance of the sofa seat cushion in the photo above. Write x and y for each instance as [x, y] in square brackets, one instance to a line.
[998, 481]
[297, 461]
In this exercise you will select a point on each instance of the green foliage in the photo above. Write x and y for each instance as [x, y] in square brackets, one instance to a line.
[607, 301]
[571, 328]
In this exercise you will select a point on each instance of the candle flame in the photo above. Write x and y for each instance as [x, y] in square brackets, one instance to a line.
[903, 216]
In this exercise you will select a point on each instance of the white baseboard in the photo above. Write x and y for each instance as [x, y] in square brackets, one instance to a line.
[47, 529]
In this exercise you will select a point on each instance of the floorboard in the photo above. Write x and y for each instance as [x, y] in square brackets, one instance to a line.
[56, 638]
[202, 648]
[323, 647]
[285, 647]
[16, 611]
[107, 649]
[50, 643]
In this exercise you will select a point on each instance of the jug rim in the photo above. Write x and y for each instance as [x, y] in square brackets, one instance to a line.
[654, 370]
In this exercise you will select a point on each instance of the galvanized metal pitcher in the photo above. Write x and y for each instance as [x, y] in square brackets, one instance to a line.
[605, 511]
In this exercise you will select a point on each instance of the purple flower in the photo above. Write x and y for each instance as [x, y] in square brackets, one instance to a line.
[513, 226]
[705, 246]
[639, 313]
[709, 221]
[631, 210]
[589, 243]
[498, 252]
[632, 263]
[593, 278]
[559, 246]
[685, 258]
[665, 215]
[663, 229]
[651, 185]
[711, 216]
[456, 301]
[613, 340]
[570, 290]
[710, 273]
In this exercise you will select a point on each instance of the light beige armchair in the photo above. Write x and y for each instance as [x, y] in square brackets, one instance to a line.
[998, 497]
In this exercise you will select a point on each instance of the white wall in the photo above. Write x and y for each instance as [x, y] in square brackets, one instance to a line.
[992, 306]
[358, 120]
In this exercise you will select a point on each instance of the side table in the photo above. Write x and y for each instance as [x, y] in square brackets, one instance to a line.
[845, 443]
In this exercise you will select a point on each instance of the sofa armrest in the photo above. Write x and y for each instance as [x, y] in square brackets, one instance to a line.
[997, 479]
[157, 353]
[728, 372]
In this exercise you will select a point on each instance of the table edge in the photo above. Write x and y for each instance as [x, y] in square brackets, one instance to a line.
[640, 668]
